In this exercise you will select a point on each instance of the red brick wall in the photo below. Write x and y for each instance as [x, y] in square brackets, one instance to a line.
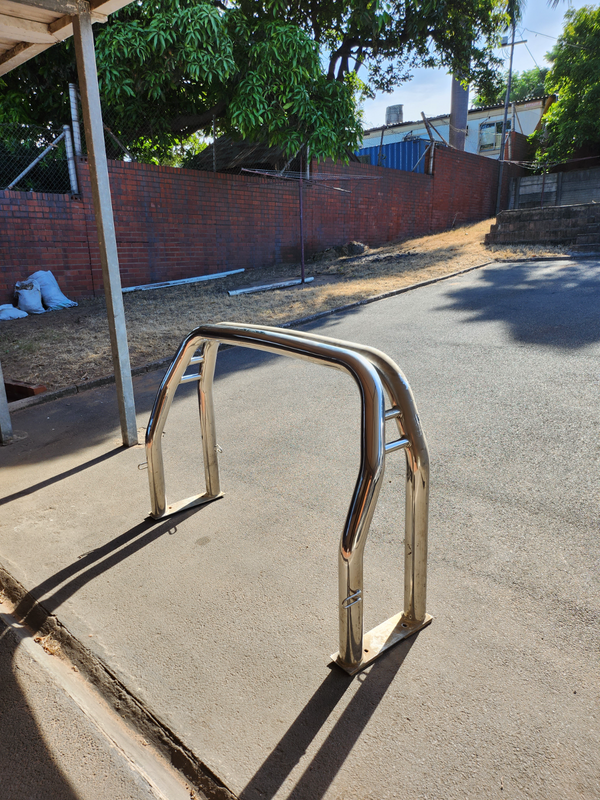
[173, 223]
[518, 149]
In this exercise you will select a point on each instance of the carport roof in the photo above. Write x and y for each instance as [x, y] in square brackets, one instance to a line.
[28, 27]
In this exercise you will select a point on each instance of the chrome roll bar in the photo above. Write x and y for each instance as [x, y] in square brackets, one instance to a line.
[375, 375]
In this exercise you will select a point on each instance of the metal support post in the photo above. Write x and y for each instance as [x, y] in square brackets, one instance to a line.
[71, 160]
[94, 134]
[6, 431]
[75, 120]
[300, 192]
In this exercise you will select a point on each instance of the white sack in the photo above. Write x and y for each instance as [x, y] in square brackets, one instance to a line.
[8, 311]
[29, 297]
[52, 297]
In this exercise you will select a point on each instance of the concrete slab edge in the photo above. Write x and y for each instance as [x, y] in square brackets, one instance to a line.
[48, 397]
[163, 363]
[143, 763]
[54, 637]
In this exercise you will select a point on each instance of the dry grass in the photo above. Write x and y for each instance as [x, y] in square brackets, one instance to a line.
[72, 346]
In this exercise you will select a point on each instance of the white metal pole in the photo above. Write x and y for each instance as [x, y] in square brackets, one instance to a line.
[94, 135]
[75, 120]
[6, 431]
[71, 160]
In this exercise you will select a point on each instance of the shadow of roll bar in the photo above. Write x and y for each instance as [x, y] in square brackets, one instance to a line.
[375, 374]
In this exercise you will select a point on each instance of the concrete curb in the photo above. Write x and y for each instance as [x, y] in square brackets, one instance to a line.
[48, 397]
[51, 634]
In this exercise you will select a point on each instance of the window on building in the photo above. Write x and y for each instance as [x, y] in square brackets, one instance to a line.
[490, 135]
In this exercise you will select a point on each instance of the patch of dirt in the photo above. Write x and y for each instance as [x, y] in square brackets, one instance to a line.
[71, 346]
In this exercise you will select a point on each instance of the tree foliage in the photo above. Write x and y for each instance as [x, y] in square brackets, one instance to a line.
[529, 83]
[289, 72]
[573, 122]
[391, 37]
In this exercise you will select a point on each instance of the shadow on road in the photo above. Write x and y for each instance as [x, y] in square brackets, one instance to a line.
[46, 597]
[322, 769]
[524, 296]
[61, 476]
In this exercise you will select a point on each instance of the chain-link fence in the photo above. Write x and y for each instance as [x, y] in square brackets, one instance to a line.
[43, 159]
[33, 159]
[37, 158]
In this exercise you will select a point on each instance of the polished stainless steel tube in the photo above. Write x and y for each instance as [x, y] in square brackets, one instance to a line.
[372, 371]
[156, 424]
[404, 411]
[207, 418]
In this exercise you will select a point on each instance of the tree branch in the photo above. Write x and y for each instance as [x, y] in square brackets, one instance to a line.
[343, 53]
[190, 123]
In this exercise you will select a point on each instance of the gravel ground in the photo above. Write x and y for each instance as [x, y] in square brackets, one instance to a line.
[72, 346]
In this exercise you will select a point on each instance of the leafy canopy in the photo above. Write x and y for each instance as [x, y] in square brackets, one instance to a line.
[282, 71]
[573, 122]
[529, 83]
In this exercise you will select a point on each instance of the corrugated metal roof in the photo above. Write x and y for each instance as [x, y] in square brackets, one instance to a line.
[439, 117]
[233, 155]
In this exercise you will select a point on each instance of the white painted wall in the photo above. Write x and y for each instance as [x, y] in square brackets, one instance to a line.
[527, 117]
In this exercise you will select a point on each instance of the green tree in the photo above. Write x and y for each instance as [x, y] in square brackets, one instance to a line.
[390, 37]
[168, 68]
[573, 122]
[282, 71]
[529, 83]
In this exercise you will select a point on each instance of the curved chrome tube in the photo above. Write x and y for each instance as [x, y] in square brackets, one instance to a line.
[372, 371]
[417, 467]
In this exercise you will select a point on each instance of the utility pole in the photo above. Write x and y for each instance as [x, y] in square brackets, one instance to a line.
[504, 121]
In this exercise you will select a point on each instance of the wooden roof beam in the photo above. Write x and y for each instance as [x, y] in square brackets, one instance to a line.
[27, 48]
[26, 31]
[61, 7]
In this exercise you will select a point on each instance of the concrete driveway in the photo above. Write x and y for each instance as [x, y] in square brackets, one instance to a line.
[220, 621]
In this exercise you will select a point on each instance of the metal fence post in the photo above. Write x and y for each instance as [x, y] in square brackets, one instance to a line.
[36, 161]
[71, 160]
[6, 431]
[75, 120]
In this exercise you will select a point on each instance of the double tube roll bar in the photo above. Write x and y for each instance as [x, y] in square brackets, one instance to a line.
[375, 375]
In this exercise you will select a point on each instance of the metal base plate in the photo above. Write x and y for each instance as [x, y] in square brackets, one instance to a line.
[381, 638]
[189, 502]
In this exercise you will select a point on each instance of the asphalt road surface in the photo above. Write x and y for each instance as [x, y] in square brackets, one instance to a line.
[222, 620]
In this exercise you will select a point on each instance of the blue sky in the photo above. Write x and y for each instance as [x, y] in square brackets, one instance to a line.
[429, 90]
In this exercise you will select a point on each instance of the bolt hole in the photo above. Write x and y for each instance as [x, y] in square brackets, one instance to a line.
[366, 651]
[404, 625]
